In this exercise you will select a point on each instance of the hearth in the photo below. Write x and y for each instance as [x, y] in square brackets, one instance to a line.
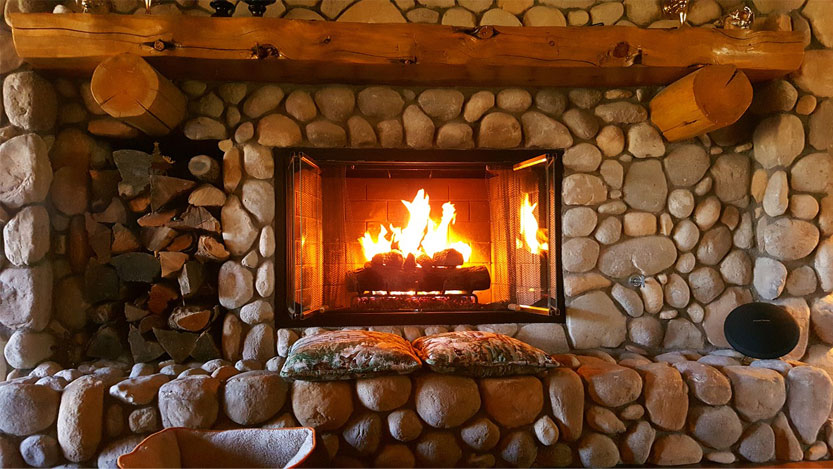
[406, 236]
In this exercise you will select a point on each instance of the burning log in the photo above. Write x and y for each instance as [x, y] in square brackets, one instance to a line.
[426, 279]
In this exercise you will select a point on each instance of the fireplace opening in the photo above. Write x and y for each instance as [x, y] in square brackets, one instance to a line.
[422, 237]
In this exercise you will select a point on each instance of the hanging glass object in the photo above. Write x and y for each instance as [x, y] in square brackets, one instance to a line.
[739, 18]
[258, 7]
[222, 8]
[676, 8]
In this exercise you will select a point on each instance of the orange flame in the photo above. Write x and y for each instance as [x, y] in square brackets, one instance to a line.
[534, 238]
[421, 235]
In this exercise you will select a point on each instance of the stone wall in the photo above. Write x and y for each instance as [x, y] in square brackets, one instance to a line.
[743, 214]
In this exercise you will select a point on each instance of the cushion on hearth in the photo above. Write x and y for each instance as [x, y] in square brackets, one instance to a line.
[481, 354]
[349, 354]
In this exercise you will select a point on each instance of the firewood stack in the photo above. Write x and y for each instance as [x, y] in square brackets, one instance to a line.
[150, 258]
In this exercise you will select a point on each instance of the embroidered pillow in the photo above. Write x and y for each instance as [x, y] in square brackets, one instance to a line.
[338, 355]
[481, 354]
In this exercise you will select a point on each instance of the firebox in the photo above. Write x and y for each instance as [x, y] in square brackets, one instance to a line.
[379, 237]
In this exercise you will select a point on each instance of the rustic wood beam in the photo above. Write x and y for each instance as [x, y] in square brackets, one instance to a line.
[272, 49]
[128, 88]
[709, 99]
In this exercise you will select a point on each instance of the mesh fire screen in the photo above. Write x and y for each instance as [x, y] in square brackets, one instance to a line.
[406, 237]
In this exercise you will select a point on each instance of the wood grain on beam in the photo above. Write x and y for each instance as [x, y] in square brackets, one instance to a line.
[319, 51]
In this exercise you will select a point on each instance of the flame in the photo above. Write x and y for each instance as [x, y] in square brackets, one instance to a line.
[534, 238]
[421, 235]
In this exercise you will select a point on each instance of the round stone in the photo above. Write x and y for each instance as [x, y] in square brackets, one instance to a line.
[322, 405]
[40, 451]
[336, 103]
[30, 101]
[404, 425]
[27, 408]
[514, 401]
[481, 434]
[382, 102]
[778, 140]
[597, 450]
[579, 221]
[518, 449]
[438, 449]
[363, 432]
[611, 140]
[444, 104]
[685, 165]
[446, 401]
[27, 174]
[26, 348]
[254, 397]
[680, 203]
[384, 393]
[584, 157]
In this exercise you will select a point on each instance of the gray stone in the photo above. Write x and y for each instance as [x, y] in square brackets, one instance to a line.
[736, 268]
[583, 189]
[259, 198]
[514, 99]
[336, 103]
[259, 343]
[597, 450]
[648, 255]
[787, 447]
[581, 123]
[190, 402]
[758, 393]
[404, 425]
[79, 418]
[707, 212]
[140, 390]
[706, 383]
[635, 446]
[144, 420]
[27, 408]
[787, 239]
[40, 451]
[363, 432]
[444, 104]
[324, 134]
[236, 285]
[542, 131]
[682, 334]
[821, 121]
[580, 254]
[384, 393]
[579, 221]
[551, 101]
[499, 130]
[593, 320]
[823, 264]
[770, 277]
[609, 231]
[390, 133]
[30, 101]
[277, 130]
[758, 443]
[477, 105]
[645, 331]
[380, 102]
[774, 96]
[438, 449]
[610, 140]
[621, 112]
[25, 297]
[445, 401]
[455, 135]
[644, 141]
[813, 173]
[628, 299]
[566, 394]
[26, 348]
[254, 397]
[26, 236]
[778, 140]
[299, 104]
[257, 312]
[239, 232]
[731, 173]
[584, 98]
[603, 420]
[204, 128]
[550, 338]
[686, 164]
[714, 245]
[262, 100]
[361, 132]
[686, 235]
[27, 173]
[716, 427]
[419, 129]
[675, 450]
[811, 394]
[322, 405]
[109, 455]
[645, 188]
[583, 157]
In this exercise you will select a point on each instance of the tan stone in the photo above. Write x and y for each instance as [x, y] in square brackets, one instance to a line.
[446, 401]
[322, 405]
[666, 395]
[514, 401]
[567, 400]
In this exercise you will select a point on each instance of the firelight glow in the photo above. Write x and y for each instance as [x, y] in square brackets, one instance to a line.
[421, 235]
[534, 239]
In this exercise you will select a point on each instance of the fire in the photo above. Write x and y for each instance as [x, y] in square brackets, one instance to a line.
[421, 235]
[535, 239]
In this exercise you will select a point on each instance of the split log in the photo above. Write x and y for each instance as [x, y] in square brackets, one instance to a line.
[163, 189]
[181, 243]
[196, 218]
[189, 318]
[209, 249]
[124, 240]
[139, 204]
[375, 278]
[207, 196]
[171, 262]
[141, 349]
[78, 247]
[204, 168]
[128, 88]
[156, 218]
[134, 313]
[159, 297]
[709, 99]
[191, 279]
[157, 238]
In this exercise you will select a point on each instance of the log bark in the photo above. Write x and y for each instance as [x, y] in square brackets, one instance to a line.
[376, 278]
[129, 89]
[709, 99]
[261, 49]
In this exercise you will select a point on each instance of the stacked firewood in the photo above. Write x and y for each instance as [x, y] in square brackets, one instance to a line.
[156, 249]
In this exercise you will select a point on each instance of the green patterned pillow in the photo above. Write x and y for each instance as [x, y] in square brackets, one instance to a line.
[481, 354]
[341, 355]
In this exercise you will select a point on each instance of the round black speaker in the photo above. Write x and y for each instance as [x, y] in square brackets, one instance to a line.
[761, 330]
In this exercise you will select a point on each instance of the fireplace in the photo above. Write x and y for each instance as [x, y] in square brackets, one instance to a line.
[407, 236]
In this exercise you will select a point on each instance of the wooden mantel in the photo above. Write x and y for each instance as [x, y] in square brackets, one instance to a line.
[269, 49]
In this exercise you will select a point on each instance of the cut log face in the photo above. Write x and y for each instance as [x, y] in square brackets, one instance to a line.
[172, 262]
[163, 189]
[209, 249]
[709, 99]
[204, 168]
[189, 318]
[128, 88]
[207, 196]
[196, 218]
